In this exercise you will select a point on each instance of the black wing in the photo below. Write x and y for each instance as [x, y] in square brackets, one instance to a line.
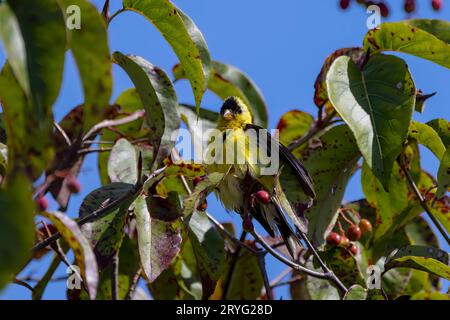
[286, 156]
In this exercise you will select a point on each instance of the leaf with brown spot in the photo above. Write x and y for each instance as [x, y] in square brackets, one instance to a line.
[159, 100]
[293, 125]
[320, 87]
[84, 255]
[377, 103]
[429, 259]
[158, 240]
[209, 250]
[90, 49]
[330, 166]
[424, 38]
[182, 35]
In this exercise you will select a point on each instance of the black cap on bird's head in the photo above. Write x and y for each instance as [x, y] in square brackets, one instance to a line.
[231, 106]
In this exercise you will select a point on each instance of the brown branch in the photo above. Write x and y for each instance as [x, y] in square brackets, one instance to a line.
[262, 267]
[92, 150]
[62, 133]
[112, 123]
[319, 126]
[23, 284]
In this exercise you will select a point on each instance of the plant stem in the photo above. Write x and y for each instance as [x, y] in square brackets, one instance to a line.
[115, 277]
[234, 259]
[111, 123]
[115, 14]
[262, 266]
[133, 285]
[93, 150]
[423, 202]
[319, 126]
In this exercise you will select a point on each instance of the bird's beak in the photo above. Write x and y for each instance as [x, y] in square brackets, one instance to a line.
[228, 115]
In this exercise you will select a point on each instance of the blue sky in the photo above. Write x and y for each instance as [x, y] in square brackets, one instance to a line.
[280, 45]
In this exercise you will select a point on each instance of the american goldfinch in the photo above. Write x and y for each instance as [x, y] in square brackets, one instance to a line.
[246, 187]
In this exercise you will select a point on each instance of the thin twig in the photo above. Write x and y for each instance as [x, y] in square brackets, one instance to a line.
[280, 277]
[115, 277]
[105, 11]
[93, 150]
[287, 282]
[133, 285]
[62, 133]
[312, 132]
[23, 284]
[115, 14]
[111, 123]
[330, 275]
[97, 214]
[286, 261]
[262, 267]
[423, 202]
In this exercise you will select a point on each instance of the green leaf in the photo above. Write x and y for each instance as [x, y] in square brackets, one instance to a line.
[158, 240]
[344, 265]
[428, 137]
[40, 287]
[227, 80]
[427, 295]
[181, 280]
[128, 267]
[356, 292]
[331, 166]
[122, 163]
[16, 228]
[320, 87]
[159, 99]
[205, 186]
[377, 103]
[90, 49]
[22, 126]
[208, 247]
[442, 127]
[106, 233]
[182, 35]
[128, 102]
[293, 125]
[246, 282]
[388, 204]
[432, 260]
[37, 58]
[427, 39]
[84, 255]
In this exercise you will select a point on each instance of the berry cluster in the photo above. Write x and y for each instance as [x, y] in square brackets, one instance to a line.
[353, 233]
[409, 5]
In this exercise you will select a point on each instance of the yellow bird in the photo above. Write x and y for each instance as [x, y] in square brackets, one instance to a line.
[245, 187]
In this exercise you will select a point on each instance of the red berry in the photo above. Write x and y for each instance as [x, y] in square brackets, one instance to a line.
[365, 226]
[334, 239]
[384, 10]
[247, 224]
[354, 249]
[262, 196]
[344, 241]
[73, 185]
[436, 4]
[344, 4]
[42, 203]
[203, 206]
[197, 180]
[410, 6]
[353, 233]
